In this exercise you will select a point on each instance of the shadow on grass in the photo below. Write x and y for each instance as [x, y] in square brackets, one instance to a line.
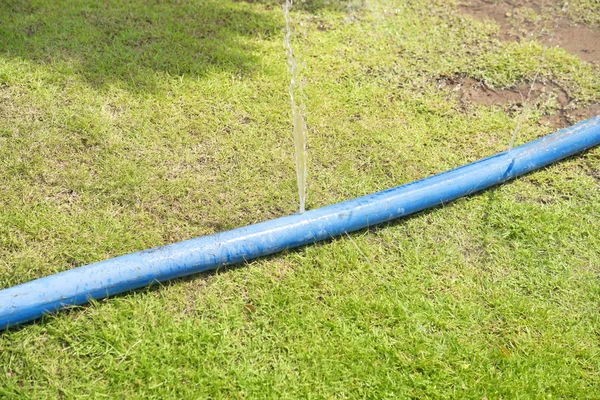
[130, 41]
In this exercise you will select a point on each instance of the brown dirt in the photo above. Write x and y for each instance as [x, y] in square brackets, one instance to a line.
[538, 19]
[471, 91]
[564, 117]
[581, 41]
[491, 11]
[583, 113]
[476, 92]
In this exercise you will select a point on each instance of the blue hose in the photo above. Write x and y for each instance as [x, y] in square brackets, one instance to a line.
[31, 300]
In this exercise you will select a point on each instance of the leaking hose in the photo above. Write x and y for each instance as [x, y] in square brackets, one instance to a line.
[77, 286]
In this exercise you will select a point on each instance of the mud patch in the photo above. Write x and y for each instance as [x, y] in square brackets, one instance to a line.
[581, 41]
[472, 91]
[491, 11]
[584, 113]
[547, 96]
[541, 20]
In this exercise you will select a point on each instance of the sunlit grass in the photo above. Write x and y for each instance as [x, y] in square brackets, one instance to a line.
[128, 125]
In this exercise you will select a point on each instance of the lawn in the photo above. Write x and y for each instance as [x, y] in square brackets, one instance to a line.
[129, 125]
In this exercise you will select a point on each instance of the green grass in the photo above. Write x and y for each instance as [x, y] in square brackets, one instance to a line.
[587, 11]
[128, 125]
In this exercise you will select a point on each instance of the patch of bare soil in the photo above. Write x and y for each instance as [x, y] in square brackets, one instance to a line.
[538, 19]
[491, 11]
[584, 113]
[471, 91]
[581, 41]
[476, 92]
